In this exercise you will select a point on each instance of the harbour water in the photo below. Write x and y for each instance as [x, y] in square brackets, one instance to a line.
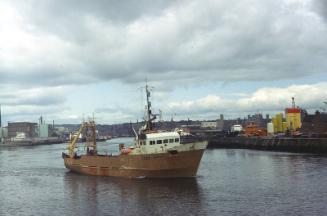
[34, 181]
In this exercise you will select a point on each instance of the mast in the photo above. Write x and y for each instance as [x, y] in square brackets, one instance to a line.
[90, 135]
[148, 110]
[149, 116]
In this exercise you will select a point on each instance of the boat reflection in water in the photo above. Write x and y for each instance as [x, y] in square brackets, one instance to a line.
[120, 196]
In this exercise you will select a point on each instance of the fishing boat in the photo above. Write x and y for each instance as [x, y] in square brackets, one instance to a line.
[154, 154]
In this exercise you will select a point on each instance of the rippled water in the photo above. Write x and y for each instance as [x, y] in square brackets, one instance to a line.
[34, 181]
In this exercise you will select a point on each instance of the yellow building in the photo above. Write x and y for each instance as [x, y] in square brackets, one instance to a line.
[274, 121]
[279, 123]
[284, 126]
[293, 118]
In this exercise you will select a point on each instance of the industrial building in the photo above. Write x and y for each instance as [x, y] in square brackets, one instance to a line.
[43, 128]
[220, 122]
[28, 128]
[315, 125]
[291, 123]
[293, 117]
[209, 124]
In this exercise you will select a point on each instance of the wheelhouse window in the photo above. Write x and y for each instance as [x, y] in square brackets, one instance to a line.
[159, 141]
[152, 142]
[176, 140]
[165, 141]
[171, 140]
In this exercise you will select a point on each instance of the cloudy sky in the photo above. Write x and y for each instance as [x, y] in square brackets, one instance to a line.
[65, 58]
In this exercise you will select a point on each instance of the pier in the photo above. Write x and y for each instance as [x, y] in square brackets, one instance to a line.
[305, 145]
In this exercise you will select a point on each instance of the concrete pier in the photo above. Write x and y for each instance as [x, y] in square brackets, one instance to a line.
[309, 145]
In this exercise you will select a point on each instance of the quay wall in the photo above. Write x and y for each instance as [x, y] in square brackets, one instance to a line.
[306, 145]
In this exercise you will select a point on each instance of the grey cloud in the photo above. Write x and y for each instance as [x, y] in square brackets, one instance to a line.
[46, 75]
[66, 18]
[321, 7]
[29, 104]
[250, 51]
[41, 101]
[114, 10]
[185, 42]
[31, 113]
[16, 97]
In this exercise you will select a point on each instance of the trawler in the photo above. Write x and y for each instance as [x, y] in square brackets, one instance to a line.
[154, 154]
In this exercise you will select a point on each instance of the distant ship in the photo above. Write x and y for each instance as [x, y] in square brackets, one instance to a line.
[155, 154]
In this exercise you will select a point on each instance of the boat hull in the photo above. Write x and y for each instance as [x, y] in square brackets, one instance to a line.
[161, 165]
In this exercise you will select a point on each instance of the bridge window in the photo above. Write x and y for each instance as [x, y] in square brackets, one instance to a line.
[177, 140]
[171, 140]
[165, 141]
[159, 141]
[152, 142]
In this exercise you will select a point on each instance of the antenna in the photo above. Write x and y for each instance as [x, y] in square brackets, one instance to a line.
[148, 101]
[149, 116]
[148, 106]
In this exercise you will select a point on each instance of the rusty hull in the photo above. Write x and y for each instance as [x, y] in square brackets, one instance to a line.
[163, 165]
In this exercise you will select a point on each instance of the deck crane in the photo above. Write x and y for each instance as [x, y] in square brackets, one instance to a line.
[88, 129]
